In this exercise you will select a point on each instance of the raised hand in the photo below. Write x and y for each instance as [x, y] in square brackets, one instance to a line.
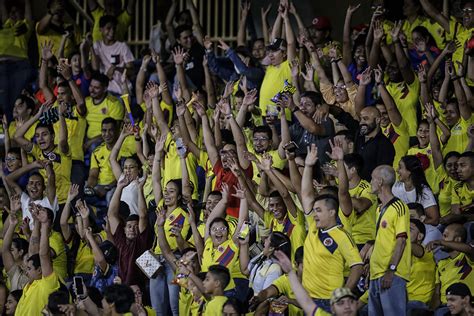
[333, 52]
[395, 31]
[295, 67]
[336, 151]
[309, 74]
[378, 30]
[264, 12]
[421, 71]
[178, 55]
[351, 9]
[47, 50]
[266, 162]
[73, 192]
[152, 89]
[250, 97]
[64, 68]
[160, 144]
[229, 88]
[461, 69]
[449, 69]
[15, 203]
[245, 8]
[451, 47]
[366, 77]
[199, 108]
[123, 181]
[145, 61]
[239, 192]
[312, 155]
[378, 74]
[223, 45]
[283, 261]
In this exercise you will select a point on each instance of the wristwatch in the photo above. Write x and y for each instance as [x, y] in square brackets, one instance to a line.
[392, 267]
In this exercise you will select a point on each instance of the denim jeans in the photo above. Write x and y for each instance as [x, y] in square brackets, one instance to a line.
[14, 75]
[388, 302]
[441, 310]
[163, 293]
[416, 305]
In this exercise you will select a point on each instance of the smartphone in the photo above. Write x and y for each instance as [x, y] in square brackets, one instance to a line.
[79, 285]
[180, 147]
[291, 147]
[244, 231]
[272, 110]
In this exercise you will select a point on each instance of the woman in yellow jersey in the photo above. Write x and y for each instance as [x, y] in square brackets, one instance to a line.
[222, 250]
[12, 301]
[412, 187]
[176, 227]
[14, 250]
[447, 178]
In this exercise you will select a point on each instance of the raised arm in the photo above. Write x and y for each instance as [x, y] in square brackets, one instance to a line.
[19, 136]
[241, 33]
[345, 201]
[197, 29]
[346, 41]
[162, 240]
[238, 136]
[433, 13]
[7, 256]
[207, 135]
[392, 109]
[364, 81]
[66, 213]
[156, 169]
[307, 189]
[44, 249]
[153, 92]
[63, 139]
[464, 108]
[114, 206]
[378, 34]
[402, 59]
[218, 210]
[290, 36]
[142, 209]
[99, 258]
[114, 153]
[434, 140]
[263, 16]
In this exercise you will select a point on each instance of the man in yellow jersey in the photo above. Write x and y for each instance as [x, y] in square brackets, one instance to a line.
[463, 191]
[100, 105]
[390, 261]
[280, 52]
[456, 268]
[364, 202]
[118, 299]
[113, 8]
[421, 287]
[43, 278]
[59, 155]
[328, 248]
[343, 301]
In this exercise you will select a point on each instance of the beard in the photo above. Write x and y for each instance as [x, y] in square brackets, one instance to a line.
[366, 129]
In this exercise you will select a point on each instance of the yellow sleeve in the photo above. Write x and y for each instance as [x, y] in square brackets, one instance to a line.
[327, 93]
[116, 110]
[454, 195]
[94, 162]
[282, 285]
[400, 221]
[349, 251]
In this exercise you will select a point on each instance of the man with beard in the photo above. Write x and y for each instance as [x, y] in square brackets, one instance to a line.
[371, 143]
[463, 192]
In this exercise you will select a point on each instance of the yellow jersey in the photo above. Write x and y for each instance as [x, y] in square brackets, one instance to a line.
[363, 229]
[291, 226]
[459, 138]
[12, 45]
[453, 270]
[84, 262]
[30, 133]
[430, 172]
[100, 160]
[422, 284]
[76, 132]
[406, 98]
[392, 222]
[215, 306]
[400, 138]
[282, 284]
[445, 187]
[178, 217]
[35, 295]
[273, 83]
[327, 252]
[277, 162]
[56, 243]
[62, 164]
[55, 37]
[96, 113]
[461, 194]
[457, 32]
[124, 20]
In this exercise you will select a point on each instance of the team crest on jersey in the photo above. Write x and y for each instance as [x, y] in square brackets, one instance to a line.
[51, 156]
[328, 242]
[171, 217]
[220, 249]
[104, 110]
[384, 224]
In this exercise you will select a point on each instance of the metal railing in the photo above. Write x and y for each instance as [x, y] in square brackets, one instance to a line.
[219, 19]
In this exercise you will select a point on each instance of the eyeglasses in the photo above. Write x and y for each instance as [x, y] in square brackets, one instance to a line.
[260, 139]
[218, 229]
[8, 159]
[467, 10]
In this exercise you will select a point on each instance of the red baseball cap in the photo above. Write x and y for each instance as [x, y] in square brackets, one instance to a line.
[322, 23]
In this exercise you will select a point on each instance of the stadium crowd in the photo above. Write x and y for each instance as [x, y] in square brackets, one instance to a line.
[289, 174]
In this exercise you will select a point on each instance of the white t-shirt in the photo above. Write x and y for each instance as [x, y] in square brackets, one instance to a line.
[427, 199]
[44, 202]
[118, 54]
[130, 196]
[262, 273]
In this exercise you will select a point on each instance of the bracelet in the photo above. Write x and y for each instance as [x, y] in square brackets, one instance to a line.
[336, 60]
[295, 110]
[228, 117]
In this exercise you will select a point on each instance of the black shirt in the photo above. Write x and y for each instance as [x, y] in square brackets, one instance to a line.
[193, 67]
[375, 152]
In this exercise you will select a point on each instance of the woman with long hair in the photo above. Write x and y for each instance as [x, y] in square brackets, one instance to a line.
[412, 187]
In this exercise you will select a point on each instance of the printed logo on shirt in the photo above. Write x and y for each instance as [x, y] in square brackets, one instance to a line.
[465, 268]
[384, 224]
[328, 242]
[104, 110]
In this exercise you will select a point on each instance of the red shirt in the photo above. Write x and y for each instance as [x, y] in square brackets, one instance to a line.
[226, 176]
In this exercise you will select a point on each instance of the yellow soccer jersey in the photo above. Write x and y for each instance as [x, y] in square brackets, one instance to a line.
[185, 301]
[273, 83]
[459, 138]
[422, 283]
[56, 243]
[406, 98]
[96, 113]
[458, 33]
[326, 254]
[430, 172]
[84, 259]
[283, 286]
[461, 194]
[55, 37]
[62, 164]
[393, 222]
[30, 133]
[15, 45]
[453, 270]
[177, 217]
[100, 160]
[364, 225]
[215, 306]
[172, 165]
[290, 226]
[123, 22]
[277, 162]
[76, 131]
[35, 295]
[445, 187]
[398, 136]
